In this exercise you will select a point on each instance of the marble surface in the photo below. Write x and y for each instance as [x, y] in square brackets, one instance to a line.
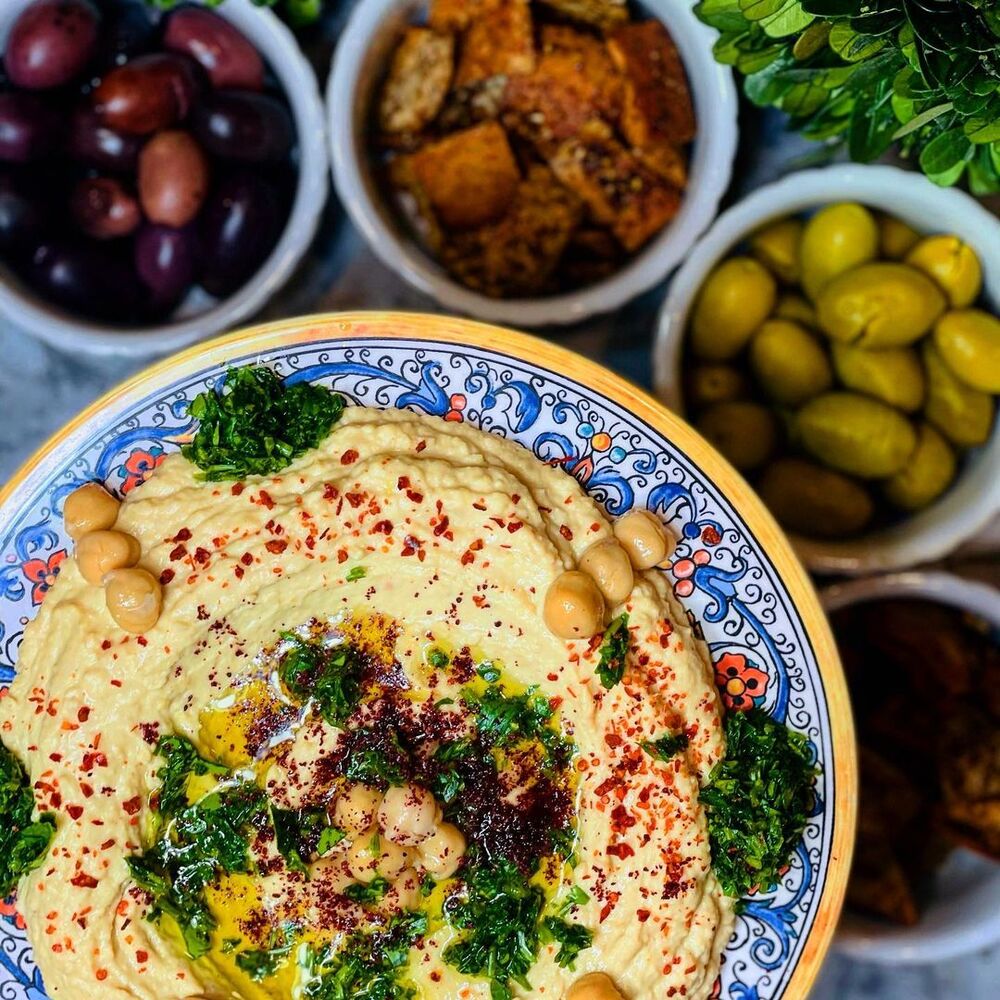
[41, 388]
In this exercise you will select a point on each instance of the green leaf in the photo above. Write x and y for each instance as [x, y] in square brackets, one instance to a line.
[946, 152]
[757, 10]
[849, 45]
[614, 652]
[369, 894]
[723, 15]
[984, 130]
[666, 747]
[356, 573]
[572, 939]
[871, 130]
[330, 677]
[789, 20]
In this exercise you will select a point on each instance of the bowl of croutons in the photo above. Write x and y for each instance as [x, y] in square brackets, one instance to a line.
[530, 162]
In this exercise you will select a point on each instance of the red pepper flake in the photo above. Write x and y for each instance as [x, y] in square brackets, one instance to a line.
[415, 496]
[620, 850]
[643, 915]
[349, 457]
[84, 881]
[142, 640]
[239, 571]
[265, 499]
[133, 805]
[566, 532]
[403, 483]
[88, 790]
[237, 489]
[276, 546]
[106, 644]
[55, 757]
[75, 812]
[442, 526]
[142, 956]
[83, 713]
[183, 535]
[613, 740]
[342, 555]
[382, 528]
[101, 975]
[420, 446]
[515, 526]
[330, 492]
[202, 556]
[355, 499]
[115, 682]
[166, 576]
[246, 559]
[178, 553]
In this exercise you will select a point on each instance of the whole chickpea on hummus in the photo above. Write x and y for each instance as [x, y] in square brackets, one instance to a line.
[380, 717]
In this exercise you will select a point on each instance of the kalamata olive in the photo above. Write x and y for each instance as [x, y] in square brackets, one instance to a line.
[240, 225]
[224, 53]
[166, 261]
[24, 212]
[104, 209]
[84, 279]
[29, 128]
[127, 31]
[51, 42]
[148, 93]
[173, 178]
[250, 128]
[94, 143]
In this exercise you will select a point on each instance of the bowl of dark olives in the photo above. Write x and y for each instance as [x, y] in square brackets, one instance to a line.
[161, 174]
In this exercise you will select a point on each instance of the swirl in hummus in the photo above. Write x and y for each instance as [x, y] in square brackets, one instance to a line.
[351, 668]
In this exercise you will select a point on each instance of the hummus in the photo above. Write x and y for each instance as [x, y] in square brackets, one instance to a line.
[430, 545]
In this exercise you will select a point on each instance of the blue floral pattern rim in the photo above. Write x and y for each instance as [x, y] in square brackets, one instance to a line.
[729, 588]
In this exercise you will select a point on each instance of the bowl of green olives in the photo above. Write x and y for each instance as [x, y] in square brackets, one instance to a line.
[835, 336]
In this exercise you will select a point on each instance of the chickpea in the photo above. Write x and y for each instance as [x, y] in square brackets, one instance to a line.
[393, 860]
[408, 814]
[644, 538]
[134, 598]
[355, 808]
[594, 986]
[363, 856]
[99, 552]
[608, 563]
[405, 893]
[442, 852]
[90, 508]
[574, 607]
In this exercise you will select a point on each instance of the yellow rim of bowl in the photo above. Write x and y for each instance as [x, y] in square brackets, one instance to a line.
[451, 330]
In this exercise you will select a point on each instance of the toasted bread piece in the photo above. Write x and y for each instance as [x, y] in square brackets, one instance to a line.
[581, 58]
[669, 161]
[620, 191]
[473, 104]
[603, 14]
[657, 105]
[457, 15]
[468, 178]
[517, 255]
[418, 81]
[499, 42]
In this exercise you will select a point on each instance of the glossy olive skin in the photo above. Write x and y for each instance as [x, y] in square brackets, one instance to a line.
[166, 261]
[94, 143]
[790, 363]
[103, 208]
[147, 94]
[25, 214]
[84, 280]
[968, 340]
[746, 433]
[51, 43]
[226, 55]
[245, 127]
[29, 128]
[127, 31]
[928, 473]
[836, 239]
[241, 223]
[173, 178]
[735, 299]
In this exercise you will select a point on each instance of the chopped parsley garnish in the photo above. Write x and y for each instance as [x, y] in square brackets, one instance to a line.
[264, 963]
[489, 672]
[666, 747]
[258, 423]
[613, 652]
[23, 842]
[376, 758]
[299, 832]
[577, 896]
[504, 720]
[448, 782]
[181, 762]
[328, 840]
[499, 912]
[438, 658]
[356, 573]
[757, 801]
[373, 892]
[329, 676]
[571, 938]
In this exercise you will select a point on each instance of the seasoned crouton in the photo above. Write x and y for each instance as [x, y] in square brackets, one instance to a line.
[517, 255]
[657, 100]
[468, 106]
[418, 80]
[468, 178]
[620, 191]
[582, 59]
[668, 160]
[499, 42]
[603, 14]
[457, 15]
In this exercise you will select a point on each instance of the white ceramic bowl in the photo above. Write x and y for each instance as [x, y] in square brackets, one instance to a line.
[963, 914]
[358, 67]
[975, 498]
[200, 315]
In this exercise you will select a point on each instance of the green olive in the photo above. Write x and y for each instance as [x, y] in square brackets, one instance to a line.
[895, 376]
[856, 434]
[707, 384]
[895, 237]
[927, 474]
[962, 414]
[797, 309]
[814, 501]
[834, 240]
[952, 264]
[777, 247]
[969, 343]
[746, 433]
[789, 363]
[735, 299]
[879, 305]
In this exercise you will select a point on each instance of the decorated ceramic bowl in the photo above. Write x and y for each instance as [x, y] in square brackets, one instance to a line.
[733, 570]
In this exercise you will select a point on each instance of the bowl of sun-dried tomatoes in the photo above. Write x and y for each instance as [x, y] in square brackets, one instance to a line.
[530, 161]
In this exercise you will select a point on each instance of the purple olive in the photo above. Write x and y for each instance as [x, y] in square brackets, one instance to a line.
[29, 128]
[240, 225]
[249, 128]
[147, 94]
[95, 144]
[103, 208]
[127, 31]
[24, 213]
[51, 43]
[84, 279]
[166, 261]
[226, 55]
